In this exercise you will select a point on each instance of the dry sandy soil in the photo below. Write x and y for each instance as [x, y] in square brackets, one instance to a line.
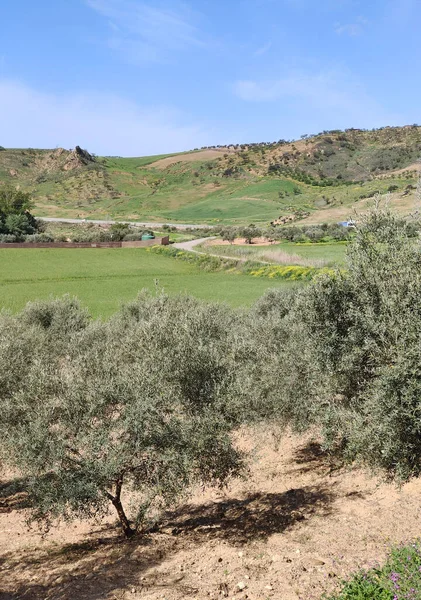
[291, 530]
[192, 157]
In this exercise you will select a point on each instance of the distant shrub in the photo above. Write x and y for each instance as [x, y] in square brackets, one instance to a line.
[93, 236]
[118, 231]
[7, 238]
[299, 238]
[133, 237]
[369, 194]
[315, 234]
[85, 236]
[37, 238]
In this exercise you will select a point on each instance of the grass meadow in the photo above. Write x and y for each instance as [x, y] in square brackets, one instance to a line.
[103, 278]
[311, 255]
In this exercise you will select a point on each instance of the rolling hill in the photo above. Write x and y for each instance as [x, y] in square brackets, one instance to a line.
[317, 178]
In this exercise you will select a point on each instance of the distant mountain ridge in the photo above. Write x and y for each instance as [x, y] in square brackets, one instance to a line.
[320, 176]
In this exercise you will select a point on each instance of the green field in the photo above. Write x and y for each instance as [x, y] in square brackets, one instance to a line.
[312, 255]
[103, 278]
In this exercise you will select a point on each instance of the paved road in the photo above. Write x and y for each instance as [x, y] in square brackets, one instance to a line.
[136, 223]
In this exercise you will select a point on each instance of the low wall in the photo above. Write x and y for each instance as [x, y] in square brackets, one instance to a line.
[164, 241]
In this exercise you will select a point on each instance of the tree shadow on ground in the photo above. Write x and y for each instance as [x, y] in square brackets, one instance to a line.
[107, 563]
[311, 458]
[13, 495]
[91, 570]
[257, 516]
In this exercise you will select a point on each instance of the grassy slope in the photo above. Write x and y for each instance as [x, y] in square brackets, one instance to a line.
[103, 278]
[250, 183]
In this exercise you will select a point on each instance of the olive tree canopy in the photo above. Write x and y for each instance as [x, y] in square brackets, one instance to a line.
[356, 341]
[136, 408]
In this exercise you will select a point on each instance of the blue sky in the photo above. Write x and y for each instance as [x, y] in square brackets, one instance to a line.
[137, 77]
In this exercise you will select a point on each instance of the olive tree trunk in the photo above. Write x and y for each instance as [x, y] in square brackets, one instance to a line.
[116, 502]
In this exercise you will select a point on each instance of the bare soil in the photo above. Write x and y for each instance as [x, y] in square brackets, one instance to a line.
[192, 157]
[290, 530]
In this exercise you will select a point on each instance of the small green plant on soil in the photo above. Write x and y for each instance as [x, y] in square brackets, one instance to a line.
[398, 579]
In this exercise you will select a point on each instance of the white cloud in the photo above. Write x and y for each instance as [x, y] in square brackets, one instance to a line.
[104, 124]
[144, 33]
[333, 94]
[352, 29]
[263, 49]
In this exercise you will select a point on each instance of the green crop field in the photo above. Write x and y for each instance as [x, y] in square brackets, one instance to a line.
[284, 253]
[103, 278]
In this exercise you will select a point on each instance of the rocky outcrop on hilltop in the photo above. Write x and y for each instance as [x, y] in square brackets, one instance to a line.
[77, 158]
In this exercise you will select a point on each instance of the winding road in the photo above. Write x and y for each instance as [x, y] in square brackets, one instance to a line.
[190, 247]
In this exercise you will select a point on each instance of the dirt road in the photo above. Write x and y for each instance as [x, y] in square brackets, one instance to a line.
[191, 247]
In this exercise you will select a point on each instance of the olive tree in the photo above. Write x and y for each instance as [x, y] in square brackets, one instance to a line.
[129, 412]
[228, 234]
[360, 330]
[284, 376]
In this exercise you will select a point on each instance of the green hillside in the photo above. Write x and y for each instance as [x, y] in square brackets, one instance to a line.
[316, 178]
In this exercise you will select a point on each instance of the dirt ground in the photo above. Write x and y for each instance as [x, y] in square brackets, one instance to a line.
[290, 530]
[193, 157]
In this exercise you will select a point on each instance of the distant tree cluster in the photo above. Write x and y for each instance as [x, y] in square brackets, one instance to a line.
[338, 133]
[16, 221]
[325, 232]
